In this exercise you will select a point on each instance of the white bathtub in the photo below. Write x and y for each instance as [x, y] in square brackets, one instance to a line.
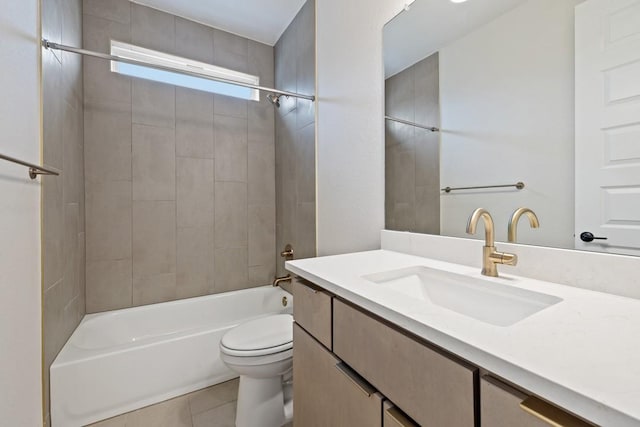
[122, 360]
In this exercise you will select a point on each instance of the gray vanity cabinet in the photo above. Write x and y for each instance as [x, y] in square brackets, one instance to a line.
[430, 387]
[327, 393]
[503, 406]
[353, 369]
[312, 311]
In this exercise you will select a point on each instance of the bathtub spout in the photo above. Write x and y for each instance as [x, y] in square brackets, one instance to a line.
[278, 280]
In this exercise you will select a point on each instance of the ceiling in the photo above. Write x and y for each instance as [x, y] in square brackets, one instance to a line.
[430, 25]
[259, 20]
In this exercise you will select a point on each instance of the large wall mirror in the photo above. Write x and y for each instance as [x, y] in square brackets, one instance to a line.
[539, 96]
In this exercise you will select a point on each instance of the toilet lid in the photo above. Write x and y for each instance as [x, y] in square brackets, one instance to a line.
[266, 335]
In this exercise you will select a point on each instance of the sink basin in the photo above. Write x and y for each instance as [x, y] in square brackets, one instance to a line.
[489, 302]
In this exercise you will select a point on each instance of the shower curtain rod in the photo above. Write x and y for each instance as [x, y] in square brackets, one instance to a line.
[405, 122]
[51, 45]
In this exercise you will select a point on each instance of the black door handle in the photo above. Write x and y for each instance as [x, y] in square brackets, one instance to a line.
[589, 237]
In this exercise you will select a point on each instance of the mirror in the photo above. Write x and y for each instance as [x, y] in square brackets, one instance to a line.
[540, 98]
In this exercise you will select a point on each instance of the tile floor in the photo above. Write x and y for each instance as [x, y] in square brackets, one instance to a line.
[210, 407]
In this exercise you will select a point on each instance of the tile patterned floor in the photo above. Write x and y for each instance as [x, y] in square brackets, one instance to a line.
[210, 407]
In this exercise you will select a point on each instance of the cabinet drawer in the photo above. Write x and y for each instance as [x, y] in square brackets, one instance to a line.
[430, 387]
[393, 417]
[312, 311]
[327, 393]
[503, 406]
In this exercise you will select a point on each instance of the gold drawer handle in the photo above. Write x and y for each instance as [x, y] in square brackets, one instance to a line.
[550, 414]
[355, 379]
[399, 418]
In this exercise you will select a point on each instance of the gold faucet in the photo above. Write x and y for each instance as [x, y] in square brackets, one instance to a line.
[278, 280]
[513, 222]
[490, 256]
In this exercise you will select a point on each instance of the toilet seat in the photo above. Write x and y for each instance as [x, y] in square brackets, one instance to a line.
[260, 337]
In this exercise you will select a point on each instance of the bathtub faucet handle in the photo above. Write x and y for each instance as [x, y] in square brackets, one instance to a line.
[287, 254]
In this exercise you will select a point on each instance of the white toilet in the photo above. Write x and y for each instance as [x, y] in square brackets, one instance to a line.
[261, 352]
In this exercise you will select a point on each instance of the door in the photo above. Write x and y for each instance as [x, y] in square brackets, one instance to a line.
[608, 126]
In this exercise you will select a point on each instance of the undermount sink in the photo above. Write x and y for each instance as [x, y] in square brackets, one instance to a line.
[489, 302]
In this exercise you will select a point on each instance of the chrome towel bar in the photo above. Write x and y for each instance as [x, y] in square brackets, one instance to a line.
[34, 170]
[518, 185]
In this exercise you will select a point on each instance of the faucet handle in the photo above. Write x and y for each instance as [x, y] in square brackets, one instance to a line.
[287, 253]
[504, 258]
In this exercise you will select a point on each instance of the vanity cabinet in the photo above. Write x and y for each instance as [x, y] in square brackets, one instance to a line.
[351, 368]
[431, 388]
[327, 392]
[504, 406]
[312, 311]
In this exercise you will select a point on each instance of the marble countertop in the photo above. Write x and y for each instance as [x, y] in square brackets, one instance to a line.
[582, 353]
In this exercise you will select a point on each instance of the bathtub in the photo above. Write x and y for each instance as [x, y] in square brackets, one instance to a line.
[122, 360]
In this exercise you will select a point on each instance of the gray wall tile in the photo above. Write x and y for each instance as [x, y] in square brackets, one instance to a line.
[152, 28]
[195, 262]
[108, 220]
[231, 215]
[306, 229]
[153, 103]
[262, 235]
[107, 143]
[114, 10]
[52, 230]
[195, 192]
[230, 51]
[101, 86]
[261, 187]
[230, 106]
[231, 148]
[305, 164]
[194, 124]
[194, 41]
[154, 163]
[154, 289]
[261, 123]
[109, 285]
[231, 269]
[261, 63]
[154, 238]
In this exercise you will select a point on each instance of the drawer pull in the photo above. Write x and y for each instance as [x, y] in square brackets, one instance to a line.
[355, 379]
[399, 418]
[550, 414]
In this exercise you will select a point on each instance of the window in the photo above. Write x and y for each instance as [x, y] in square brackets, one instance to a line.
[153, 57]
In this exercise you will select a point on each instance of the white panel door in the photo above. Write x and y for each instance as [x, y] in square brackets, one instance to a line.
[608, 126]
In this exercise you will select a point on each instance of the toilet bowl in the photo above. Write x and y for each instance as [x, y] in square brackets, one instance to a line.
[261, 352]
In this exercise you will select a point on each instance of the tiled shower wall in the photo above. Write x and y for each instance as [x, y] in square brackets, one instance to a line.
[295, 137]
[180, 184]
[63, 196]
[412, 155]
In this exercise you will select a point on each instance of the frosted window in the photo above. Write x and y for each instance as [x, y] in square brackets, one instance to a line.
[152, 57]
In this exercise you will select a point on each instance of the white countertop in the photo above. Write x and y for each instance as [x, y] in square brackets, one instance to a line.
[582, 353]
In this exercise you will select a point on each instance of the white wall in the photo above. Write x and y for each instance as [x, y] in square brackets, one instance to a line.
[507, 97]
[20, 281]
[350, 138]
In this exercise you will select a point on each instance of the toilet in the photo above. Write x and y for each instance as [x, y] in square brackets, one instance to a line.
[261, 352]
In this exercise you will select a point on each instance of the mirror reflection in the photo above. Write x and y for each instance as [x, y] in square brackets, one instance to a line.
[537, 102]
